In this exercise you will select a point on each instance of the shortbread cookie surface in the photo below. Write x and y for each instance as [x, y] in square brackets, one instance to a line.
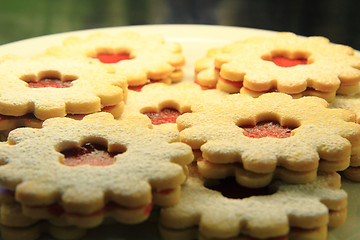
[263, 216]
[254, 64]
[139, 58]
[52, 87]
[164, 103]
[47, 166]
[351, 102]
[318, 138]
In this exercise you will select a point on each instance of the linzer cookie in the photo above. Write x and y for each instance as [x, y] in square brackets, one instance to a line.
[94, 168]
[41, 230]
[164, 103]
[287, 63]
[37, 88]
[351, 103]
[222, 211]
[205, 73]
[142, 59]
[273, 136]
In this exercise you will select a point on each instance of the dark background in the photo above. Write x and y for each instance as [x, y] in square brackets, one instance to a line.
[337, 20]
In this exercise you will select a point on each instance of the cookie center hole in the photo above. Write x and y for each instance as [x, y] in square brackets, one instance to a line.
[166, 115]
[49, 78]
[49, 82]
[284, 60]
[90, 154]
[267, 129]
[229, 188]
[112, 57]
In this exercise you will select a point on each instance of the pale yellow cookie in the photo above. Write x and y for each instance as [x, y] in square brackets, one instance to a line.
[164, 103]
[352, 173]
[52, 87]
[205, 73]
[285, 206]
[145, 58]
[328, 96]
[193, 233]
[40, 231]
[314, 136]
[253, 63]
[351, 102]
[83, 165]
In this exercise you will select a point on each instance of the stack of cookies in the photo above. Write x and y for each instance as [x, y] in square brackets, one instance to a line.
[283, 63]
[99, 132]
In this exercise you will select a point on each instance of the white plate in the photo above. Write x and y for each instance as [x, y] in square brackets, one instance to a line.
[196, 40]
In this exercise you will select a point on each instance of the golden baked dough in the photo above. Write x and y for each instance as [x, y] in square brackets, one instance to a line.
[321, 138]
[149, 57]
[146, 162]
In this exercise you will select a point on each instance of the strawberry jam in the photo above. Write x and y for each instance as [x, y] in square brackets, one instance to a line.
[282, 61]
[267, 129]
[166, 115]
[49, 82]
[112, 58]
[88, 154]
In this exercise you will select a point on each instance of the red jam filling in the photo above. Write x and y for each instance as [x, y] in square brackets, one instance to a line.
[136, 88]
[166, 115]
[89, 154]
[112, 58]
[267, 129]
[204, 87]
[232, 83]
[49, 82]
[229, 188]
[166, 191]
[282, 61]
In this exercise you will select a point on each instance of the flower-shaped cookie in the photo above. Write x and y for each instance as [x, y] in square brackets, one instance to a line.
[316, 66]
[85, 164]
[139, 58]
[43, 230]
[315, 137]
[351, 103]
[205, 73]
[309, 207]
[164, 103]
[52, 87]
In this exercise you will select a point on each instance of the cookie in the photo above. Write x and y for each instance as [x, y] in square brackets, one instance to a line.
[328, 96]
[352, 103]
[287, 63]
[206, 75]
[305, 209]
[51, 87]
[229, 136]
[164, 103]
[93, 167]
[41, 229]
[141, 59]
[14, 225]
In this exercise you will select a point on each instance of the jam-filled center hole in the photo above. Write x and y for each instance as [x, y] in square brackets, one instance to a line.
[112, 57]
[45, 79]
[285, 60]
[166, 115]
[49, 82]
[90, 154]
[267, 129]
[229, 188]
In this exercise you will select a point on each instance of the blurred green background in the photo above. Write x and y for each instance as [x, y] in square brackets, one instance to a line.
[336, 19]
